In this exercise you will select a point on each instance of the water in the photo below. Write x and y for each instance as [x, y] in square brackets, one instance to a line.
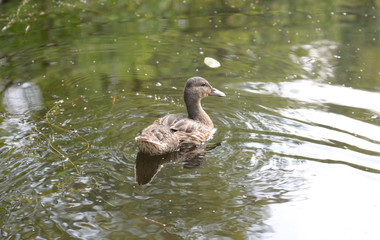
[295, 155]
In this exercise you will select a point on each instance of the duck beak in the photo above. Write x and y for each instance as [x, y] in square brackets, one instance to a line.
[216, 92]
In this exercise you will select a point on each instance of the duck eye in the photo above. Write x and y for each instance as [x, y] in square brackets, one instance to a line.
[203, 84]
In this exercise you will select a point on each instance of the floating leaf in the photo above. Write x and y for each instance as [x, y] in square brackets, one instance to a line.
[212, 63]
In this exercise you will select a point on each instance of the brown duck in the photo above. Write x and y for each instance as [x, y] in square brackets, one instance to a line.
[175, 132]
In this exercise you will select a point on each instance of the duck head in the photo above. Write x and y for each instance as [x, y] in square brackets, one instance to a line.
[197, 88]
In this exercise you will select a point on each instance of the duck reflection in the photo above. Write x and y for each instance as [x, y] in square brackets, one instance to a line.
[148, 166]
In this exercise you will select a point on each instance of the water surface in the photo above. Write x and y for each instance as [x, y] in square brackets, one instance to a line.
[295, 154]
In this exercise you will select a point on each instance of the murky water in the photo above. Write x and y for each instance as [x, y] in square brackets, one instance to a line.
[296, 154]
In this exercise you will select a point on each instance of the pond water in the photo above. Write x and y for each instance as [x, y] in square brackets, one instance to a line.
[296, 153]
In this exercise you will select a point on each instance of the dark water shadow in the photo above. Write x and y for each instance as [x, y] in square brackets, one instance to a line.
[148, 166]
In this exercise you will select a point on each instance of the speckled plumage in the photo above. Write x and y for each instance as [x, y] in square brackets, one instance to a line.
[174, 132]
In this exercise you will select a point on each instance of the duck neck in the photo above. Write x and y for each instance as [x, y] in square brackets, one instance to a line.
[196, 112]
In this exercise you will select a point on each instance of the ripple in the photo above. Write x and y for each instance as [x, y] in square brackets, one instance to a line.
[319, 132]
[318, 93]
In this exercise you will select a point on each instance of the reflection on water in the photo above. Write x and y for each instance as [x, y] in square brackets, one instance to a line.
[19, 99]
[309, 91]
[316, 58]
[148, 166]
[317, 130]
[22, 97]
[331, 196]
[299, 131]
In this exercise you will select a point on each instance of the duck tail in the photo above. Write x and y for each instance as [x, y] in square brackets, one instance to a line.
[154, 147]
[149, 146]
[157, 139]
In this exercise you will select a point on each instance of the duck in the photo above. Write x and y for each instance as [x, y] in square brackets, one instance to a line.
[175, 132]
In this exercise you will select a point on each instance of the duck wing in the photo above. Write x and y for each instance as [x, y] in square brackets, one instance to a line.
[180, 123]
[170, 133]
[187, 125]
[169, 120]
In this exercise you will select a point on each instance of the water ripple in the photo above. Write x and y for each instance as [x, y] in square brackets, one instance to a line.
[318, 93]
[313, 129]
